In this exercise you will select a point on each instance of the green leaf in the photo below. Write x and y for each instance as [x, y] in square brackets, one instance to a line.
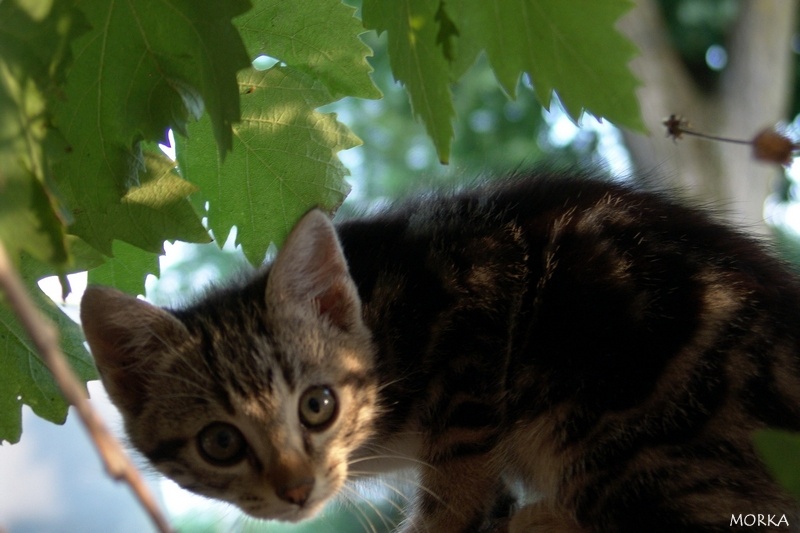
[145, 216]
[418, 61]
[319, 38]
[284, 160]
[447, 34]
[82, 258]
[28, 217]
[25, 379]
[127, 270]
[34, 39]
[571, 48]
[145, 66]
[148, 65]
[780, 450]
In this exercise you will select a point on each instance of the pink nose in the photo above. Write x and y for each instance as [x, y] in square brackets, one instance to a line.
[297, 492]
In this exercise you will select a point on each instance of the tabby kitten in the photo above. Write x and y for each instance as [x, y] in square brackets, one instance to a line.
[602, 350]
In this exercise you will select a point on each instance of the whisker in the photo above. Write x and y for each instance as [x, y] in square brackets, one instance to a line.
[413, 482]
[387, 456]
[359, 510]
[402, 496]
[390, 383]
[377, 512]
[385, 484]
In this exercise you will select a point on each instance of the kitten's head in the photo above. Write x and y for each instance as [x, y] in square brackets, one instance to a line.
[256, 395]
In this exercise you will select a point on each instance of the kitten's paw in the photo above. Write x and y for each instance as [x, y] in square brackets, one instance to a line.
[497, 526]
[540, 518]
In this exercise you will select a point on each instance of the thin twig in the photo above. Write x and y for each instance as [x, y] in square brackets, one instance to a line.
[715, 137]
[45, 337]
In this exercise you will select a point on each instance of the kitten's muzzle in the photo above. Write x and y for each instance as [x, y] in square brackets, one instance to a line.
[297, 492]
[293, 478]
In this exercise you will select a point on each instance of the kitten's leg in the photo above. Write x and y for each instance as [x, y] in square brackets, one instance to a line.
[540, 518]
[499, 516]
[455, 496]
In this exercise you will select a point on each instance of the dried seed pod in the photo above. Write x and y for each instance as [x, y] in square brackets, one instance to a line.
[770, 145]
[675, 126]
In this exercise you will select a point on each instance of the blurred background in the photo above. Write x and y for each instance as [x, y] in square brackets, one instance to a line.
[728, 67]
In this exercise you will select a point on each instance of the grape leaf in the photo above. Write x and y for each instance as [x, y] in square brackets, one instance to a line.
[127, 270]
[82, 257]
[25, 379]
[571, 48]
[145, 216]
[780, 451]
[319, 38]
[33, 40]
[146, 65]
[418, 61]
[154, 64]
[283, 163]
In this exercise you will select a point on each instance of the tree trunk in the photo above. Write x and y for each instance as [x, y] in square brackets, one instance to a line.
[753, 94]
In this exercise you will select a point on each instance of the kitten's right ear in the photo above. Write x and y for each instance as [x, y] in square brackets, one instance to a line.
[311, 269]
[124, 334]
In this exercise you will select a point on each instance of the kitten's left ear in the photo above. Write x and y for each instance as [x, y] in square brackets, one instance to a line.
[311, 269]
[128, 337]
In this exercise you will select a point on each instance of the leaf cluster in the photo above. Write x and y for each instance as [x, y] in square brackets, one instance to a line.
[89, 87]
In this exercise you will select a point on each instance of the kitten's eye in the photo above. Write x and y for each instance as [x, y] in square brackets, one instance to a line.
[318, 407]
[221, 444]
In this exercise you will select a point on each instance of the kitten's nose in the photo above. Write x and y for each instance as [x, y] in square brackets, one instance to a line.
[297, 492]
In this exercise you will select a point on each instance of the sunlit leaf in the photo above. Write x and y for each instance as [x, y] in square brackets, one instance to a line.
[319, 38]
[284, 160]
[34, 39]
[566, 48]
[145, 215]
[145, 66]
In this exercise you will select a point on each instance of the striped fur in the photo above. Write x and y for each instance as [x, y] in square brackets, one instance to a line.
[601, 353]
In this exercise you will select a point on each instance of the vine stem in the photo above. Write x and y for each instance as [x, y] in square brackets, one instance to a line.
[714, 137]
[44, 336]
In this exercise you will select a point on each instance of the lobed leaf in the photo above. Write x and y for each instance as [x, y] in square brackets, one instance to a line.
[145, 66]
[127, 270]
[25, 379]
[571, 49]
[568, 48]
[145, 215]
[82, 257]
[34, 40]
[318, 38]
[417, 55]
[284, 160]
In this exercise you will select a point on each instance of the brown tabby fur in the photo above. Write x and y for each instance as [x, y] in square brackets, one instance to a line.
[550, 353]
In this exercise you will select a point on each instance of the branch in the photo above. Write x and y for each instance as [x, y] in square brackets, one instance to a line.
[45, 337]
[667, 88]
[761, 61]
[751, 96]
[755, 93]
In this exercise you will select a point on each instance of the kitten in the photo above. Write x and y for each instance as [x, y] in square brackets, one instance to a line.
[605, 350]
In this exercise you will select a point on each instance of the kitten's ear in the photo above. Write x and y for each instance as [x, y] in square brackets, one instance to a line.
[125, 335]
[311, 269]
